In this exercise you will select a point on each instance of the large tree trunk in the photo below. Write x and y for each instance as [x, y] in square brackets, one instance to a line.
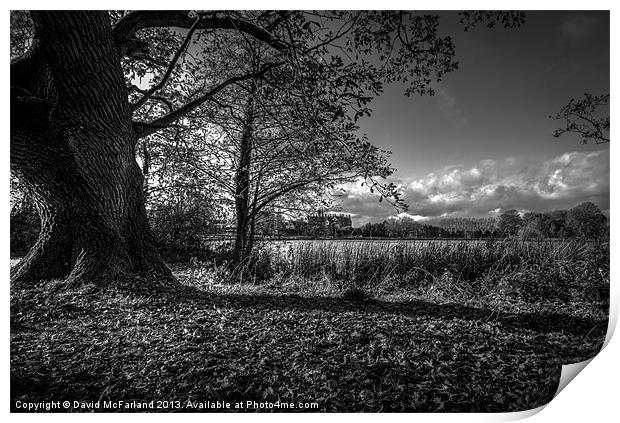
[242, 186]
[73, 145]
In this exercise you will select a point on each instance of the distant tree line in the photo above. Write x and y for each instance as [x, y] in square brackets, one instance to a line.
[582, 221]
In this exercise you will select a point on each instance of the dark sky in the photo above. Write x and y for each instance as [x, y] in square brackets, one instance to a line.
[484, 142]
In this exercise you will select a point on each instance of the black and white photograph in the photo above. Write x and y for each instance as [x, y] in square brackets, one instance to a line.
[306, 211]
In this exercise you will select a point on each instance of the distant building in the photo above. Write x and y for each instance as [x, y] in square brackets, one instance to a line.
[329, 222]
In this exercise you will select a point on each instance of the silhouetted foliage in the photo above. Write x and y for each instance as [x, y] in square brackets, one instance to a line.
[588, 118]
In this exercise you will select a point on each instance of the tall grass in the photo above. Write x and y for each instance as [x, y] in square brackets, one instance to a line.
[568, 270]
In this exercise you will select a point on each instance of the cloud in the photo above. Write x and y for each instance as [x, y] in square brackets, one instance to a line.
[492, 185]
[578, 27]
[363, 206]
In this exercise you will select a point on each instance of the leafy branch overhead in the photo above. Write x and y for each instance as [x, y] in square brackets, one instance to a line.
[336, 48]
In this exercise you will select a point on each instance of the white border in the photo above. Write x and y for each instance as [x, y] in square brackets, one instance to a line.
[592, 396]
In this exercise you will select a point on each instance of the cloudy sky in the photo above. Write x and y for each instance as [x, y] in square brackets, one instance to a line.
[484, 142]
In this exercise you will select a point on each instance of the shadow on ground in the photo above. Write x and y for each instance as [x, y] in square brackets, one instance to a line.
[543, 322]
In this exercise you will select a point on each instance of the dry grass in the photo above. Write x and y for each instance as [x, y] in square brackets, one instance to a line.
[527, 271]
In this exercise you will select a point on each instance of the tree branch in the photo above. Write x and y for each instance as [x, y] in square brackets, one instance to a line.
[126, 28]
[146, 128]
[170, 68]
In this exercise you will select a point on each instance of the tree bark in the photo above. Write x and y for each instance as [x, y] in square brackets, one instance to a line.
[242, 185]
[73, 145]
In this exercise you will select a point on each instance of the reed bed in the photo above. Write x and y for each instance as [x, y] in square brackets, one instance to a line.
[532, 271]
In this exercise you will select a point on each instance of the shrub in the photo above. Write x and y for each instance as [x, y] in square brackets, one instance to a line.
[356, 295]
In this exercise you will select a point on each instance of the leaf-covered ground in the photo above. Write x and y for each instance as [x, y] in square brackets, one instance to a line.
[400, 352]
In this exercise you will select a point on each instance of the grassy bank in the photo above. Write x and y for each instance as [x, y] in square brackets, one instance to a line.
[441, 328]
